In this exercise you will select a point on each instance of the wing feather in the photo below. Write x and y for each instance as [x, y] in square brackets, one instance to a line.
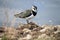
[25, 14]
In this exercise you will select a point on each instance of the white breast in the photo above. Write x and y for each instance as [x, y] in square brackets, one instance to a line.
[30, 17]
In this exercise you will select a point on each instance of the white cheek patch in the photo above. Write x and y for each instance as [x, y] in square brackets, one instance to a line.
[30, 17]
[34, 10]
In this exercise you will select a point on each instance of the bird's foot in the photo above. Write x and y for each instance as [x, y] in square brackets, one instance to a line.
[31, 22]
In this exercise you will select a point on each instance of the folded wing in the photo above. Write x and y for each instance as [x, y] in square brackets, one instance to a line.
[24, 14]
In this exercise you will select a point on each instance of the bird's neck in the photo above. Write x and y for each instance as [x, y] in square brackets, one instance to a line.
[34, 13]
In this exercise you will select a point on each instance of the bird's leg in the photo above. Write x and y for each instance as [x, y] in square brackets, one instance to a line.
[27, 21]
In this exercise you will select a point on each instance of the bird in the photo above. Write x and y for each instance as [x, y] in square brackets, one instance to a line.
[27, 14]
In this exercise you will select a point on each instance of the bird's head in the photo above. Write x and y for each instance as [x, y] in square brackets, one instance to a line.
[34, 8]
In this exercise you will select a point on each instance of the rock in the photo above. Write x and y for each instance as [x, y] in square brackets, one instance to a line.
[11, 33]
[57, 35]
[26, 30]
[45, 37]
[31, 31]
[0, 38]
[2, 29]
[28, 37]
[37, 29]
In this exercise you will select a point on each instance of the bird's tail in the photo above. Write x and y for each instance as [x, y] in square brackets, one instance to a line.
[16, 15]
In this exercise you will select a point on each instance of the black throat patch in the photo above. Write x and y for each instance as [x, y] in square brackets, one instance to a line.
[34, 13]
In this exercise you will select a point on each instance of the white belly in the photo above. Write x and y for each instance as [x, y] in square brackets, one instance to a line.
[30, 17]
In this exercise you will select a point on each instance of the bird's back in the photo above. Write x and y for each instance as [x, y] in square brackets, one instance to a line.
[24, 14]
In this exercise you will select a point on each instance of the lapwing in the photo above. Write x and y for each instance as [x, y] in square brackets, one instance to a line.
[28, 14]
